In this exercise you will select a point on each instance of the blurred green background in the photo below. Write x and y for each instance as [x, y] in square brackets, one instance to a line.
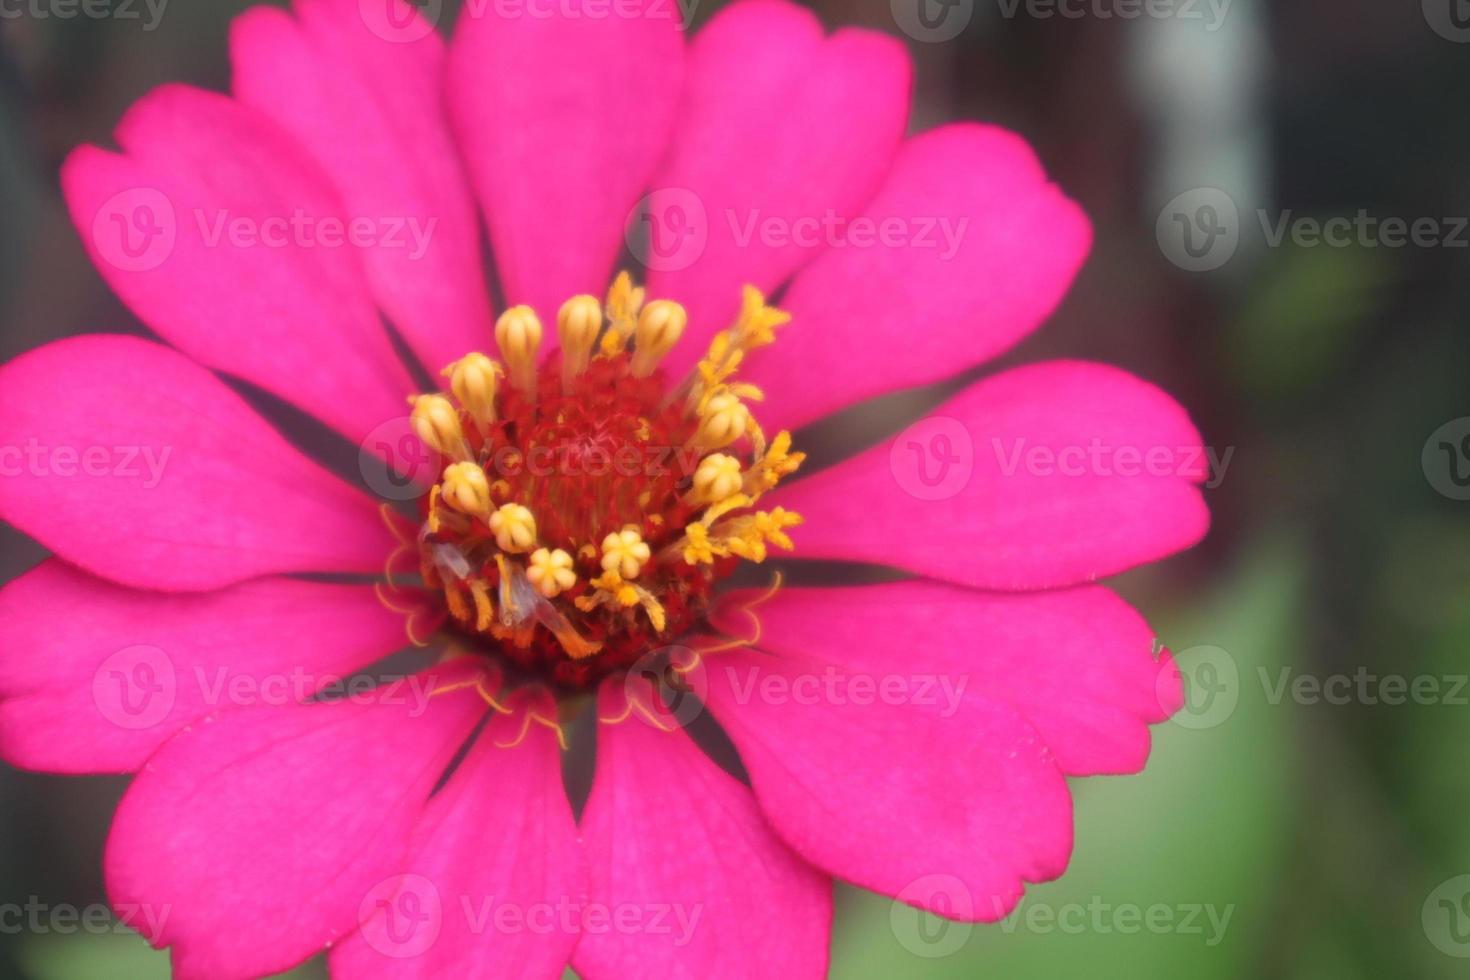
[1274, 834]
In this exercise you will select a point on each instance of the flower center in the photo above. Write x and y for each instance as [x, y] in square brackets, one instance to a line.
[584, 509]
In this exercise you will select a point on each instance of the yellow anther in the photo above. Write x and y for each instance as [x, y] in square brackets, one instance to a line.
[625, 552]
[514, 527]
[750, 536]
[578, 325]
[551, 572]
[436, 422]
[698, 548]
[724, 419]
[623, 303]
[518, 332]
[474, 379]
[660, 326]
[466, 488]
[777, 463]
[757, 324]
[717, 478]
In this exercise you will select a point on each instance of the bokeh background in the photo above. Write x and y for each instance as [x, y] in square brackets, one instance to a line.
[1273, 834]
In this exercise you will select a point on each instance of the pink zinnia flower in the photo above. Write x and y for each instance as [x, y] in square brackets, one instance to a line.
[210, 580]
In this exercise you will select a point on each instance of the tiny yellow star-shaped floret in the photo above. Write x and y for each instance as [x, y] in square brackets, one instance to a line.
[514, 527]
[625, 552]
[551, 572]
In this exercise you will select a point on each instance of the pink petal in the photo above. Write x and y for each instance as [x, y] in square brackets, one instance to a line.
[886, 795]
[94, 677]
[780, 125]
[563, 111]
[369, 106]
[669, 834]
[1043, 476]
[130, 460]
[966, 249]
[259, 830]
[494, 878]
[1078, 664]
[227, 254]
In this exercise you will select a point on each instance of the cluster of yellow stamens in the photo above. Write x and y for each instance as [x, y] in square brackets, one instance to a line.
[562, 563]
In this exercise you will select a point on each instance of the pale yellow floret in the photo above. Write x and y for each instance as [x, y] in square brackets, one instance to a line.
[611, 588]
[518, 332]
[551, 572]
[514, 527]
[466, 488]
[577, 324]
[723, 420]
[436, 422]
[717, 478]
[660, 326]
[625, 552]
[474, 380]
[624, 300]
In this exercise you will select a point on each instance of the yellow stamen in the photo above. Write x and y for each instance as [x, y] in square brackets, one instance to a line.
[474, 379]
[436, 422]
[578, 324]
[518, 332]
[514, 528]
[660, 326]
[723, 420]
[466, 488]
